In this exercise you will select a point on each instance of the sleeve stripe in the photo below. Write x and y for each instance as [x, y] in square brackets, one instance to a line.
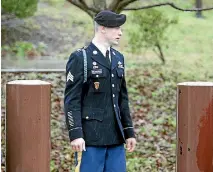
[127, 128]
[75, 128]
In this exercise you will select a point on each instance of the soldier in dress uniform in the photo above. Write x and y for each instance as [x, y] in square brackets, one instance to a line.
[97, 111]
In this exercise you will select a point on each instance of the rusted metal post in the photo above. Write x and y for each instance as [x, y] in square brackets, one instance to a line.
[195, 127]
[28, 126]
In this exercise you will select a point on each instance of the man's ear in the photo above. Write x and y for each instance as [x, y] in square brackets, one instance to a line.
[103, 29]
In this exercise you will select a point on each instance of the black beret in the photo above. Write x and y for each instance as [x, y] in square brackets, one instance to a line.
[108, 18]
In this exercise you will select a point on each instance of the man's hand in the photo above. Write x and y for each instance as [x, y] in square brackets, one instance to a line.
[130, 144]
[78, 145]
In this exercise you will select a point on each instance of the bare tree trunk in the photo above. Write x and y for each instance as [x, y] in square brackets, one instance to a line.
[161, 55]
[91, 11]
[100, 4]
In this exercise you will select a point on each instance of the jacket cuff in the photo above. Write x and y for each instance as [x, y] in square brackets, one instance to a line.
[75, 133]
[129, 132]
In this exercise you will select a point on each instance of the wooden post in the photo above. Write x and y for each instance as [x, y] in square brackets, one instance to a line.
[28, 126]
[199, 5]
[195, 127]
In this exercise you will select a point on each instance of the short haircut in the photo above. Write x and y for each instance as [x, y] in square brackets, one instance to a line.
[96, 25]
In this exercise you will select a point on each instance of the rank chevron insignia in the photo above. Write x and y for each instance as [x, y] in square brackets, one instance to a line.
[70, 77]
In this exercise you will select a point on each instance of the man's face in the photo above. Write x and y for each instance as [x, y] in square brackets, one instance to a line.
[113, 35]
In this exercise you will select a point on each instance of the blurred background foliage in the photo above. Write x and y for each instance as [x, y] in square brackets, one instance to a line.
[150, 28]
[21, 9]
[55, 28]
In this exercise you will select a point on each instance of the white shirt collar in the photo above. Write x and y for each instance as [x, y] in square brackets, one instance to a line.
[101, 47]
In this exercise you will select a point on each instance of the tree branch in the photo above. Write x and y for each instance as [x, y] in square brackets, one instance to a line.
[122, 4]
[113, 5]
[87, 9]
[170, 4]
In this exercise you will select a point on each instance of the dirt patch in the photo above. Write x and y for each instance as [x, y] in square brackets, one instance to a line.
[50, 26]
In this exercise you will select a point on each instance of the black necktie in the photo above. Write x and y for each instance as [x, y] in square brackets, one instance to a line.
[107, 57]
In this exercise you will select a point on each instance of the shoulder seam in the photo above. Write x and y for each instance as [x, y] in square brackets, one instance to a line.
[117, 51]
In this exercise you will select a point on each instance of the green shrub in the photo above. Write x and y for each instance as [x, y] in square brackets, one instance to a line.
[21, 9]
[23, 49]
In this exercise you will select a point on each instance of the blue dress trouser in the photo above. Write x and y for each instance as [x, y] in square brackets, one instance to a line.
[101, 159]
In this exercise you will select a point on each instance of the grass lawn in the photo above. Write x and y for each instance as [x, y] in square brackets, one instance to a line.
[190, 41]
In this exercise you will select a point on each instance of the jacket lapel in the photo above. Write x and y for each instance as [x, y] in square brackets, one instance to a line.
[97, 56]
[114, 60]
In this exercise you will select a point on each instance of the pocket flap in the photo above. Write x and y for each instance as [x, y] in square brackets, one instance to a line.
[120, 72]
[93, 113]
